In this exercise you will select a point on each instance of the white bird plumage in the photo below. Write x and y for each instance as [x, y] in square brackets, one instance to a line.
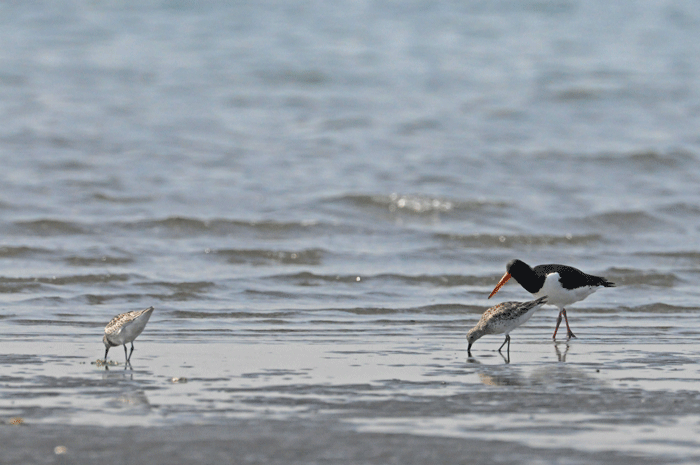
[124, 328]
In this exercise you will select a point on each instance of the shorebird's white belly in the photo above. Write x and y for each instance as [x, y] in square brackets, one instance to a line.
[506, 326]
[129, 330]
[560, 297]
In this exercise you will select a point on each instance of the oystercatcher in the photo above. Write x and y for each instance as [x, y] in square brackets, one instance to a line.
[503, 318]
[563, 284]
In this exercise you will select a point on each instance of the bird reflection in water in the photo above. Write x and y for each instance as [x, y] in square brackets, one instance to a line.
[510, 379]
[494, 376]
[127, 365]
[506, 358]
[561, 356]
[118, 375]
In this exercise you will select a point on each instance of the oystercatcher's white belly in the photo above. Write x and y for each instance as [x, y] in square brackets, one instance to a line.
[560, 297]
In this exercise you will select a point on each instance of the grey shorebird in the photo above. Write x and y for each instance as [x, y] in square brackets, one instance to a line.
[563, 284]
[125, 328]
[503, 318]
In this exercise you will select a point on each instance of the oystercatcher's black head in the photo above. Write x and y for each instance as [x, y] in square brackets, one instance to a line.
[514, 268]
[525, 275]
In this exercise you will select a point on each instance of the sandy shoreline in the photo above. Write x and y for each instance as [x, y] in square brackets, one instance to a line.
[274, 442]
[406, 398]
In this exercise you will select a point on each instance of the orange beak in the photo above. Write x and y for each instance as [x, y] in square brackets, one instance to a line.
[500, 284]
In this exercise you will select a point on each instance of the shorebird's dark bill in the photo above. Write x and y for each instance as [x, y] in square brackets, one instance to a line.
[500, 284]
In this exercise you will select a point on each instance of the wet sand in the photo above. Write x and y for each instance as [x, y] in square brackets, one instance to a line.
[318, 201]
[617, 394]
[280, 442]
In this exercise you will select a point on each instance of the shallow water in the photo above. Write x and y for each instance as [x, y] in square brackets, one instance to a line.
[318, 200]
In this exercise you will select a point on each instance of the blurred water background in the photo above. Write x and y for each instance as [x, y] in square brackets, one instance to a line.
[294, 183]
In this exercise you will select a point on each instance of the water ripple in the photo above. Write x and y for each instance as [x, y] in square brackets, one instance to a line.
[622, 221]
[49, 227]
[417, 204]
[68, 280]
[265, 257]
[637, 277]
[516, 240]
[186, 226]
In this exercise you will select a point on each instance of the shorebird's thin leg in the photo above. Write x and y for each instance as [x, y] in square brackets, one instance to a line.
[569, 333]
[106, 350]
[504, 343]
[132, 351]
[554, 336]
[127, 358]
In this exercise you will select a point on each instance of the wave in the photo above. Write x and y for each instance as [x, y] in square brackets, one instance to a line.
[643, 160]
[67, 280]
[188, 287]
[689, 255]
[130, 297]
[622, 221]
[191, 314]
[265, 257]
[415, 126]
[22, 252]
[179, 224]
[649, 159]
[422, 310]
[104, 260]
[10, 286]
[347, 123]
[306, 277]
[120, 200]
[447, 280]
[659, 307]
[416, 204]
[635, 277]
[513, 240]
[18, 285]
[682, 210]
[50, 227]
[288, 76]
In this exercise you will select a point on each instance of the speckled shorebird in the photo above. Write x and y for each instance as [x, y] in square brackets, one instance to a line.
[563, 284]
[503, 318]
[125, 328]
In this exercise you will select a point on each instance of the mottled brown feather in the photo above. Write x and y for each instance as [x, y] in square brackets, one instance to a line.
[120, 320]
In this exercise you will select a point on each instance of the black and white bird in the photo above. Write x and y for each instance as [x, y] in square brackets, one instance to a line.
[563, 285]
[124, 328]
[503, 318]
